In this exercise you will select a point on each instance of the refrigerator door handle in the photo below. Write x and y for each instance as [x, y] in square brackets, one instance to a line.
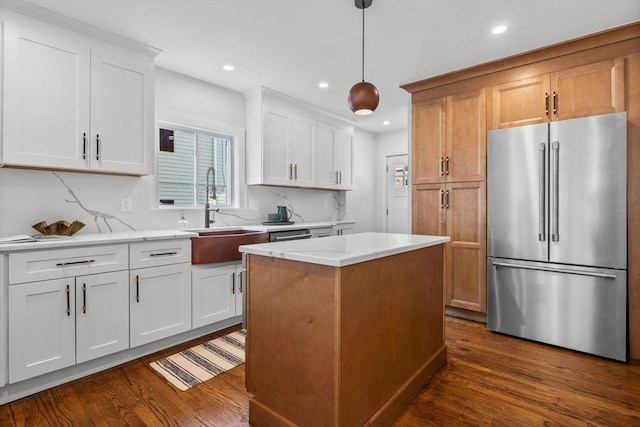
[555, 190]
[555, 270]
[541, 192]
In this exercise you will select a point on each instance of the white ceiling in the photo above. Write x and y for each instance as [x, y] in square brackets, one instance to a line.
[291, 45]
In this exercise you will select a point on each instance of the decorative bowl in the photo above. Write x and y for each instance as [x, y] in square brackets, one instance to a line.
[59, 228]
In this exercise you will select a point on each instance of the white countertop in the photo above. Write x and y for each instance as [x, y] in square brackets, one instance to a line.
[97, 238]
[271, 228]
[339, 251]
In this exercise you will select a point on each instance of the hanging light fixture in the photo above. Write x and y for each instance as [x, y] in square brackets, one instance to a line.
[363, 97]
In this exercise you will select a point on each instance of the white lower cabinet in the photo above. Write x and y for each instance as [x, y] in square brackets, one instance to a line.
[217, 293]
[342, 229]
[59, 322]
[160, 300]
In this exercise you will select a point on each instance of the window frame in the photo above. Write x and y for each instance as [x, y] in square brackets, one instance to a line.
[234, 185]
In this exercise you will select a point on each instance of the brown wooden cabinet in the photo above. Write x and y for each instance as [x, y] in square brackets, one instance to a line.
[457, 210]
[587, 90]
[450, 136]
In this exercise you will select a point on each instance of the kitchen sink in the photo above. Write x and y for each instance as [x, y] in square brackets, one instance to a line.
[213, 246]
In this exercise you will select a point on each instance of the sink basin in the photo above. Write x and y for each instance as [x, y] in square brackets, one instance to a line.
[222, 245]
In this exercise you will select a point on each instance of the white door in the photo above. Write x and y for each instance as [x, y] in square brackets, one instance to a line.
[102, 315]
[46, 95]
[41, 328]
[160, 299]
[213, 294]
[397, 194]
[121, 111]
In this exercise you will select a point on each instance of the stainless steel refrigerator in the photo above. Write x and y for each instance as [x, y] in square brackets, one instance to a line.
[557, 234]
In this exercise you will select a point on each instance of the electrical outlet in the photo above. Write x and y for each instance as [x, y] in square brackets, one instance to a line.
[326, 205]
[254, 205]
[125, 204]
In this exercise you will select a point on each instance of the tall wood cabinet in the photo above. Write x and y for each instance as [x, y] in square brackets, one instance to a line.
[451, 114]
[449, 189]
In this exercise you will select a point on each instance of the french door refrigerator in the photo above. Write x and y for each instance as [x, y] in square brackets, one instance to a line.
[557, 234]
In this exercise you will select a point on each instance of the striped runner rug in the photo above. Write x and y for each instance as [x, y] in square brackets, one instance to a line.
[200, 363]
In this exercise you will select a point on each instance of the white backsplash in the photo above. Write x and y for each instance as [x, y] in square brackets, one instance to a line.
[28, 197]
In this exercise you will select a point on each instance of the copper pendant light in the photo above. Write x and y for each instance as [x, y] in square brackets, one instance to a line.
[363, 97]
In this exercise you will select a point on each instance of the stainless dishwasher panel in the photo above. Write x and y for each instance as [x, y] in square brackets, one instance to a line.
[583, 309]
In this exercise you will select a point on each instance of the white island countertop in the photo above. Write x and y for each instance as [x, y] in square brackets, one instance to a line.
[340, 251]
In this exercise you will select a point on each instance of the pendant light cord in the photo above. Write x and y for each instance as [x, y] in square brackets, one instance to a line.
[363, 42]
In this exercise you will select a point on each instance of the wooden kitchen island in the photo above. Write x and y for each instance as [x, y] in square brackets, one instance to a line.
[342, 330]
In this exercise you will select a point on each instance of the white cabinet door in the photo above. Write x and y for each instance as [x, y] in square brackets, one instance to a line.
[102, 315]
[41, 328]
[343, 159]
[121, 111]
[326, 173]
[276, 160]
[334, 158]
[214, 294]
[46, 95]
[3, 315]
[160, 302]
[302, 148]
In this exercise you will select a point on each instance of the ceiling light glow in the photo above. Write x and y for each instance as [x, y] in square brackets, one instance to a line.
[323, 85]
[386, 122]
[499, 29]
[228, 67]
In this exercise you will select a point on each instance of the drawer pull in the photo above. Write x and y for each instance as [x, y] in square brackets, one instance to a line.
[84, 297]
[137, 288]
[64, 264]
[164, 253]
[68, 301]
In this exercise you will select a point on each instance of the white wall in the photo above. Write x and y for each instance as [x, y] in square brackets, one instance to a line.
[387, 144]
[28, 197]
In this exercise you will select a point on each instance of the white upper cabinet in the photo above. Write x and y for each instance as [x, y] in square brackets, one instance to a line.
[291, 145]
[334, 157]
[74, 102]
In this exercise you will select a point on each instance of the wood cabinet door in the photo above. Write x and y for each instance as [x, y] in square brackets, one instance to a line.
[588, 90]
[466, 137]
[466, 254]
[519, 103]
[428, 210]
[41, 328]
[102, 315]
[428, 147]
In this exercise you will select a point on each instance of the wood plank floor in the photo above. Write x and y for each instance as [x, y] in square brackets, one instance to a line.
[489, 380]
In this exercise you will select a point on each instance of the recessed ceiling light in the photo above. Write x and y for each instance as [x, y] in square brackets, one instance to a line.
[386, 122]
[323, 85]
[499, 29]
[228, 67]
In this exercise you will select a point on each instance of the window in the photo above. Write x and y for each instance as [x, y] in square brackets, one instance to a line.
[186, 156]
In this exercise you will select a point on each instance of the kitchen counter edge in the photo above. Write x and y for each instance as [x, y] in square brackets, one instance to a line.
[340, 251]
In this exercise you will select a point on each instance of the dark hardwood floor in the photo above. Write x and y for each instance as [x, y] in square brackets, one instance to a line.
[489, 380]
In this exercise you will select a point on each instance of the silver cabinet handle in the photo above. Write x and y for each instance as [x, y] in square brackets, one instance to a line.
[542, 213]
[84, 145]
[137, 288]
[295, 171]
[290, 171]
[555, 270]
[240, 277]
[337, 177]
[340, 175]
[555, 189]
[97, 147]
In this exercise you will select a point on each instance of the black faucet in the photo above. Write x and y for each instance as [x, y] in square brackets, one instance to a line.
[208, 220]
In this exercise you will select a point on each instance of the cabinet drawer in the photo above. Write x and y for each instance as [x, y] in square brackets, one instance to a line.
[59, 263]
[163, 252]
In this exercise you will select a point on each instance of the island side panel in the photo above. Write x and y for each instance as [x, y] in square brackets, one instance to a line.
[291, 343]
[392, 333]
